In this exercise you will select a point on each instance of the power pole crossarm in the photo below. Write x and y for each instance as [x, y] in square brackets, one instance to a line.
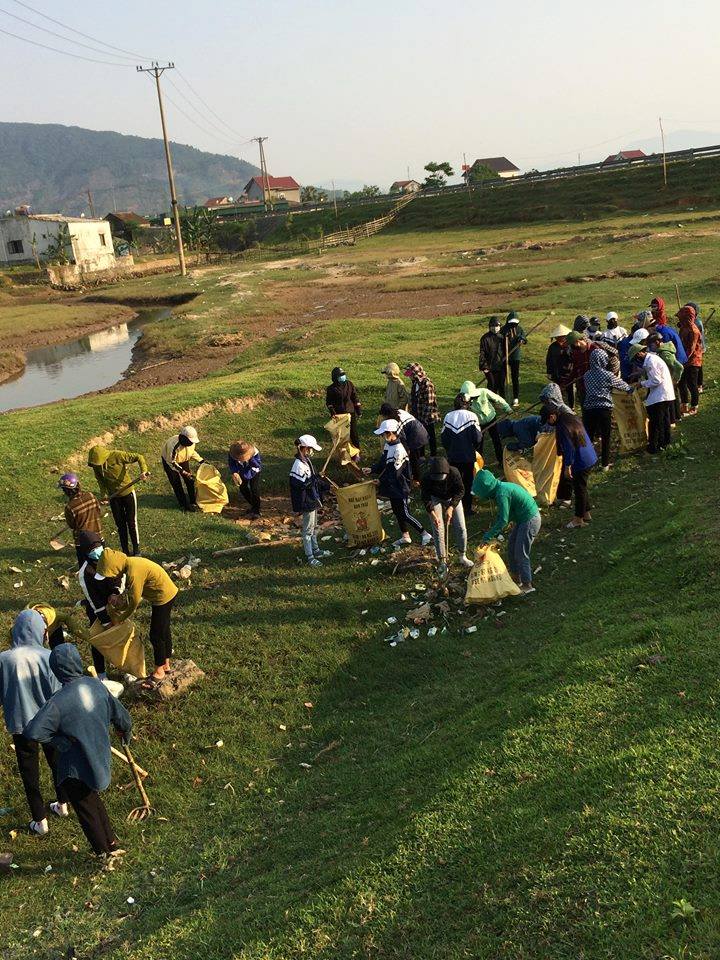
[157, 71]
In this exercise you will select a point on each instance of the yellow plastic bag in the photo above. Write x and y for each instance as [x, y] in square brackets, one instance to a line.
[518, 469]
[339, 430]
[631, 418]
[489, 580]
[210, 492]
[120, 646]
[360, 515]
[547, 468]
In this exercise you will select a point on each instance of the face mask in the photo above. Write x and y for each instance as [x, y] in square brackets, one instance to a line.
[342, 379]
[494, 329]
[95, 553]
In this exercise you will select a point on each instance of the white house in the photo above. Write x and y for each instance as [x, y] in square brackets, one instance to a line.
[406, 186]
[25, 238]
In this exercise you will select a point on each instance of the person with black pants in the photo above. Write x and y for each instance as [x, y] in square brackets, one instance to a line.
[655, 376]
[462, 438]
[97, 593]
[77, 720]
[412, 435]
[598, 404]
[578, 455]
[492, 357]
[559, 363]
[341, 396]
[515, 338]
[111, 468]
[245, 465]
[178, 453]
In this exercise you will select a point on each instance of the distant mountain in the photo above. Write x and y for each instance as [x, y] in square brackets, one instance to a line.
[51, 167]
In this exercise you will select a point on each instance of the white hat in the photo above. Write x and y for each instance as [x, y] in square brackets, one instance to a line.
[387, 426]
[559, 331]
[308, 440]
[191, 433]
[639, 335]
[611, 315]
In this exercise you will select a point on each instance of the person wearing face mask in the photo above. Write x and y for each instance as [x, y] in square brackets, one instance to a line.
[115, 481]
[307, 490]
[492, 357]
[82, 510]
[342, 397]
[96, 593]
[515, 338]
[178, 453]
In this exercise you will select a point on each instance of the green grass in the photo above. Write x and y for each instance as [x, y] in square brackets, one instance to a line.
[534, 790]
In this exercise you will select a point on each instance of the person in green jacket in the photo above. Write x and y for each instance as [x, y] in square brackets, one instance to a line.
[513, 505]
[487, 405]
[111, 469]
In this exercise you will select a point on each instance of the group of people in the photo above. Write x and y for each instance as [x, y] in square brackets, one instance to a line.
[50, 703]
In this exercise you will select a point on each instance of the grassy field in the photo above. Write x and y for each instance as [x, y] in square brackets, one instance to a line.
[545, 787]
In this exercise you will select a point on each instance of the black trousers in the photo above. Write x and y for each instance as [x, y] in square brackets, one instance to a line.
[124, 511]
[492, 429]
[598, 423]
[414, 458]
[496, 381]
[689, 383]
[578, 487]
[186, 500]
[432, 439]
[403, 516]
[467, 472]
[700, 376]
[514, 365]
[92, 815]
[658, 425]
[160, 633]
[250, 489]
[27, 755]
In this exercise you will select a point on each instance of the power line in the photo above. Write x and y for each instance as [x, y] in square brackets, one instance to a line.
[59, 23]
[59, 36]
[206, 120]
[65, 53]
[208, 107]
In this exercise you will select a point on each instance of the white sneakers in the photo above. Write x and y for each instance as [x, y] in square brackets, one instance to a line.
[60, 809]
[466, 562]
[403, 542]
[39, 827]
[516, 402]
[426, 539]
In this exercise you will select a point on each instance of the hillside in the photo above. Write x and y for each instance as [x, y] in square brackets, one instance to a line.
[50, 167]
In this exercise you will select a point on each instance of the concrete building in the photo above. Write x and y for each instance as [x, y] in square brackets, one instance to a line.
[33, 237]
[406, 186]
[279, 188]
[124, 222]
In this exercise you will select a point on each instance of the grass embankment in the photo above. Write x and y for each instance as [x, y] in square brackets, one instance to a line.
[541, 787]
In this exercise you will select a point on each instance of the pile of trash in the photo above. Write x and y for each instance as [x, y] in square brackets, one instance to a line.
[182, 569]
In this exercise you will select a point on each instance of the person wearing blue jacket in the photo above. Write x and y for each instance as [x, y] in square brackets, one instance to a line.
[521, 434]
[76, 721]
[579, 457]
[462, 438]
[307, 489]
[393, 478]
[245, 466]
[26, 684]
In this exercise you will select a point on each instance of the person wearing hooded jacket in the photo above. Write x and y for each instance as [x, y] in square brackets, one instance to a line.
[26, 684]
[578, 455]
[487, 406]
[412, 435]
[514, 337]
[396, 394]
[551, 396]
[76, 721]
[178, 452]
[703, 342]
[442, 493]
[492, 357]
[692, 342]
[666, 331]
[96, 593]
[598, 404]
[342, 397]
[423, 402]
[307, 490]
[114, 478]
[655, 377]
[144, 580]
[462, 438]
[513, 505]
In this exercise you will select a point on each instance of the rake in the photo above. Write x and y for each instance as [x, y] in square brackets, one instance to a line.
[145, 811]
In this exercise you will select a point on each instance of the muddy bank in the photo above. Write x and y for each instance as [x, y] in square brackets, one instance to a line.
[25, 340]
[12, 364]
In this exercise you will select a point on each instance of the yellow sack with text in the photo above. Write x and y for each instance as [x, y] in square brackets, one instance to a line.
[547, 468]
[339, 430]
[518, 469]
[631, 419]
[120, 646]
[210, 491]
[489, 580]
[360, 515]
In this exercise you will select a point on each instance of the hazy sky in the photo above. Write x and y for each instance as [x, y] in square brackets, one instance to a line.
[359, 91]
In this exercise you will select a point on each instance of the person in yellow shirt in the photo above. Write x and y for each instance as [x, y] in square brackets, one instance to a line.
[178, 453]
[144, 580]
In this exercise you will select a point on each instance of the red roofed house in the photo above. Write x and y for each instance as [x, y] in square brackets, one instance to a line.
[500, 165]
[279, 188]
[215, 202]
[406, 186]
[624, 155]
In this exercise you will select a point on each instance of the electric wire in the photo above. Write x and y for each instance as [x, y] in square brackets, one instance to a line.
[59, 36]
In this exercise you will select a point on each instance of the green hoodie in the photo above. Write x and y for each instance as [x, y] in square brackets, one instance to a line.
[485, 403]
[668, 352]
[514, 505]
[111, 468]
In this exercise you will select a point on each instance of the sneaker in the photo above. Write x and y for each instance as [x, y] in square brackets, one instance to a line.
[516, 402]
[466, 562]
[59, 809]
[692, 411]
[39, 827]
[526, 588]
[574, 526]
[606, 469]
[426, 539]
[314, 562]
[442, 570]
[564, 503]
[321, 554]
[403, 542]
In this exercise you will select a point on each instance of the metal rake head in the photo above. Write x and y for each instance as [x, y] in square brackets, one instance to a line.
[140, 813]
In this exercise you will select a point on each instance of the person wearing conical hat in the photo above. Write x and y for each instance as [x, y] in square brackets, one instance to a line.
[558, 362]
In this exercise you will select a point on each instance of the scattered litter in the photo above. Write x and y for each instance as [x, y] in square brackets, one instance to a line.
[472, 629]
[364, 613]
[282, 726]
[130, 900]
[420, 614]
[306, 766]
[415, 633]
[15, 570]
[48, 868]
[308, 705]
[432, 631]
[374, 563]
[18, 584]
[63, 581]
[391, 620]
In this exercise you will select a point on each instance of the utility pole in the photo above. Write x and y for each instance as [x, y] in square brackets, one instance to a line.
[157, 71]
[334, 198]
[466, 173]
[662, 137]
[92, 205]
[263, 173]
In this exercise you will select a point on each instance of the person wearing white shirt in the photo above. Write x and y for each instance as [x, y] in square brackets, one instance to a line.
[614, 330]
[655, 377]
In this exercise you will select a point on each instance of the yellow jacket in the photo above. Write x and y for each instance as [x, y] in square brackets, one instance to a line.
[174, 452]
[146, 580]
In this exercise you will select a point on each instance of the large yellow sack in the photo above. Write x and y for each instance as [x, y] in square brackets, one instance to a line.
[360, 515]
[339, 430]
[489, 580]
[631, 418]
[547, 468]
[210, 491]
[518, 469]
[120, 646]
